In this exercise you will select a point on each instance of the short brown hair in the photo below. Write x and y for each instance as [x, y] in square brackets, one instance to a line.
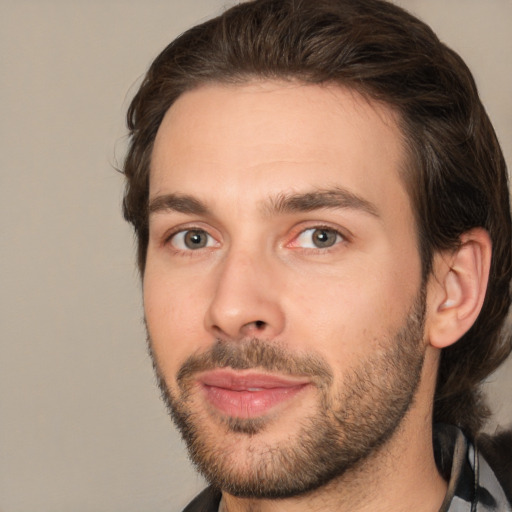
[457, 177]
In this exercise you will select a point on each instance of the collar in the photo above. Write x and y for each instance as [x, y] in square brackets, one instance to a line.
[472, 484]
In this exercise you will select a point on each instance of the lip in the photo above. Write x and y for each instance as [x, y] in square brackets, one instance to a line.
[246, 394]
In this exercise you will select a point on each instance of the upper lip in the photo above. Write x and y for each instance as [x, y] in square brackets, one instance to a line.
[248, 380]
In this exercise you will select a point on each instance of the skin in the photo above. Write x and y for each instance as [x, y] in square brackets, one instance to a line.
[238, 150]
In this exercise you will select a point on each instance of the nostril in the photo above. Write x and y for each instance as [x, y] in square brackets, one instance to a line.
[259, 324]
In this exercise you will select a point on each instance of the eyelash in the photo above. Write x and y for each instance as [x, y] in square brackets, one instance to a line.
[183, 233]
[341, 238]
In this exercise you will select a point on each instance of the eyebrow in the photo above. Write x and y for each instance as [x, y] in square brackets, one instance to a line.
[181, 203]
[330, 198]
[281, 204]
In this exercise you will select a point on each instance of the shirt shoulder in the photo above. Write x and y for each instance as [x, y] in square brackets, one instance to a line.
[473, 484]
[497, 451]
[207, 501]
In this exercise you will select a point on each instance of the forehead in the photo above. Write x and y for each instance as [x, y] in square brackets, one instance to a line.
[259, 138]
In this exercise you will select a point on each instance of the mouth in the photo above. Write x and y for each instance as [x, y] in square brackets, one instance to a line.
[246, 394]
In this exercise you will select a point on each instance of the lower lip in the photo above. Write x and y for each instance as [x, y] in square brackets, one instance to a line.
[249, 404]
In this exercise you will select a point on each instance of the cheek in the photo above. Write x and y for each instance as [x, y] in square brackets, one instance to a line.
[174, 317]
[346, 314]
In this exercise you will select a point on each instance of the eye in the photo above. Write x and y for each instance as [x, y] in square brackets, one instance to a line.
[318, 238]
[192, 239]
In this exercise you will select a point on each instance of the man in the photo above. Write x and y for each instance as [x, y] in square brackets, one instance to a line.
[324, 232]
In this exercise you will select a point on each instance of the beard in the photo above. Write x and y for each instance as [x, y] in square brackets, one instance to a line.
[350, 421]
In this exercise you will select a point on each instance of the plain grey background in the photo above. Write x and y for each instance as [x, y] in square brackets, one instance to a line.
[81, 424]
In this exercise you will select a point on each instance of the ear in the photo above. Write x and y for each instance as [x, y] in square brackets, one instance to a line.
[457, 287]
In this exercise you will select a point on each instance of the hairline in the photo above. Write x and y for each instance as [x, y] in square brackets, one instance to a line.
[409, 163]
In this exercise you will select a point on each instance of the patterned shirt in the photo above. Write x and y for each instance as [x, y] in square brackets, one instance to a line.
[472, 484]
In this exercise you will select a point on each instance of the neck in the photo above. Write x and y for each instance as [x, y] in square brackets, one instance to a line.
[400, 476]
[387, 481]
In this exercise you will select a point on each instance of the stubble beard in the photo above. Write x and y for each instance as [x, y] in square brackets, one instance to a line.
[349, 425]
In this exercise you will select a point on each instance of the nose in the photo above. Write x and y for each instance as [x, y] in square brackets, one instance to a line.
[246, 301]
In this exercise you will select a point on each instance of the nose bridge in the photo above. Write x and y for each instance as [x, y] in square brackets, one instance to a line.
[245, 302]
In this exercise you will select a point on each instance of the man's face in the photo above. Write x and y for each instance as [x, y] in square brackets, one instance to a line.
[282, 289]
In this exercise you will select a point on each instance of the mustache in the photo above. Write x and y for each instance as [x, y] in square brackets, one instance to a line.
[252, 354]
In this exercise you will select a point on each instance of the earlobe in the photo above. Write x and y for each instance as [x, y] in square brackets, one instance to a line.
[457, 288]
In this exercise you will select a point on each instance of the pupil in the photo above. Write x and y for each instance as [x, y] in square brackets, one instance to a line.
[195, 239]
[324, 238]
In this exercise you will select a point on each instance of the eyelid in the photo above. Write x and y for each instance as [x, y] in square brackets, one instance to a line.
[178, 240]
[184, 228]
[346, 235]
